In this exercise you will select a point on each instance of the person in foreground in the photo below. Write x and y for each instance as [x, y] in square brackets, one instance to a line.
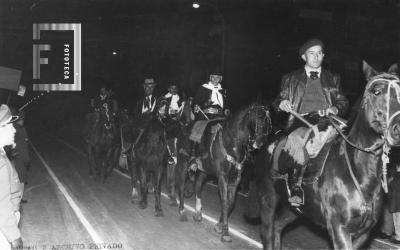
[11, 188]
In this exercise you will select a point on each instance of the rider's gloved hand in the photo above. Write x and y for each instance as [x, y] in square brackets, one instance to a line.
[332, 110]
[285, 105]
[227, 112]
[196, 108]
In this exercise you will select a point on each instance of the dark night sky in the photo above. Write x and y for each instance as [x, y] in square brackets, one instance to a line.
[175, 43]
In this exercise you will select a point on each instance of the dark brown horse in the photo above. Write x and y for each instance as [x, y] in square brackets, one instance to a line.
[149, 160]
[345, 194]
[102, 143]
[225, 149]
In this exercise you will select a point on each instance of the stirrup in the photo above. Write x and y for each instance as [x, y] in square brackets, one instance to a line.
[193, 166]
[297, 196]
[172, 160]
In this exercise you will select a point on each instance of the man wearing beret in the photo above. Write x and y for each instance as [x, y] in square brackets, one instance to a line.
[311, 89]
[10, 187]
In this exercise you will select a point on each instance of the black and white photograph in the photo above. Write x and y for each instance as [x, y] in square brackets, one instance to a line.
[199, 124]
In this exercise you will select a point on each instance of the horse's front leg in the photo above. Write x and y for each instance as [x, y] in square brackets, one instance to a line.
[157, 179]
[135, 183]
[198, 190]
[181, 169]
[358, 242]
[143, 185]
[222, 226]
[340, 238]
[171, 183]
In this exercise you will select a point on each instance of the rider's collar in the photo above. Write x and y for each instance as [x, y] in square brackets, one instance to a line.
[103, 97]
[211, 86]
[308, 69]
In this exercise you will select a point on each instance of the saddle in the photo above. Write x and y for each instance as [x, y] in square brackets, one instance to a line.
[297, 157]
[200, 126]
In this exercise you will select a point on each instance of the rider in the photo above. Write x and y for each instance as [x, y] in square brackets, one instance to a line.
[10, 187]
[144, 109]
[210, 103]
[171, 105]
[104, 100]
[310, 89]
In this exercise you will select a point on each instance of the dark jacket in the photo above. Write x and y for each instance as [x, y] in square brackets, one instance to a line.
[293, 89]
[203, 98]
[98, 104]
[137, 111]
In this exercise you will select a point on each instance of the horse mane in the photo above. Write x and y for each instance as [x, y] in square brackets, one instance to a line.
[237, 122]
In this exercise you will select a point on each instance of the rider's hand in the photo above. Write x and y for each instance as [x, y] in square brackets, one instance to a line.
[285, 105]
[332, 110]
[17, 244]
[227, 112]
[196, 108]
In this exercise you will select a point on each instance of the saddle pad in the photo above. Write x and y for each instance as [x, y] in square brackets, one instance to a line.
[198, 131]
[295, 144]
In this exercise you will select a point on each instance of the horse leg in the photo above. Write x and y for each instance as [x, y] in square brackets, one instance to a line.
[181, 179]
[157, 179]
[171, 183]
[143, 186]
[285, 217]
[198, 189]
[268, 201]
[222, 226]
[135, 183]
[340, 238]
[358, 242]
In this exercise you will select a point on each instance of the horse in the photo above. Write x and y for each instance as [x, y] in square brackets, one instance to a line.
[344, 194]
[225, 151]
[102, 143]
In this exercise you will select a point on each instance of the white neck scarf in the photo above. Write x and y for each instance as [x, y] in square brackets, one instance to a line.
[216, 96]
[174, 101]
[152, 105]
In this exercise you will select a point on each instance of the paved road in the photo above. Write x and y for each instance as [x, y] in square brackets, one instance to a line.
[68, 210]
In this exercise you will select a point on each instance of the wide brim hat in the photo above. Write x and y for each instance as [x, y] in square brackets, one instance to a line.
[149, 81]
[310, 43]
[5, 115]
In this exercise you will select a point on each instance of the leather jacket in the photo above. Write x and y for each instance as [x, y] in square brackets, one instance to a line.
[293, 89]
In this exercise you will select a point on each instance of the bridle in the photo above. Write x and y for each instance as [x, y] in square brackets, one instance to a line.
[393, 83]
[265, 121]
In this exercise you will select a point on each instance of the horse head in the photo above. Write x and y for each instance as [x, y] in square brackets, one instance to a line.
[381, 103]
[259, 124]
[187, 116]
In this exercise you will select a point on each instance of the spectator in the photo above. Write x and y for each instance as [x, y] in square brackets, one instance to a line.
[10, 187]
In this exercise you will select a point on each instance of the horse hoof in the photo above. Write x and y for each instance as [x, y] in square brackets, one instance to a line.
[134, 200]
[197, 217]
[226, 238]
[159, 213]
[218, 228]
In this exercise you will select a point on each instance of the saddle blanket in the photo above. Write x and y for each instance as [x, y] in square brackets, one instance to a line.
[302, 145]
[199, 127]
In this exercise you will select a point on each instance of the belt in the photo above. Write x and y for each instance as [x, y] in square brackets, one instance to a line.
[212, 110]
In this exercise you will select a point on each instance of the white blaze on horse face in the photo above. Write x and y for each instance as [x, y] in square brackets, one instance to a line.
[198, 204]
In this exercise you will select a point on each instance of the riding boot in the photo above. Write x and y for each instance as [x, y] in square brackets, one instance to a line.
[296, 194]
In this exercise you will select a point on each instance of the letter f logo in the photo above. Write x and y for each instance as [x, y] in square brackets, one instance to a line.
[37, 60]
